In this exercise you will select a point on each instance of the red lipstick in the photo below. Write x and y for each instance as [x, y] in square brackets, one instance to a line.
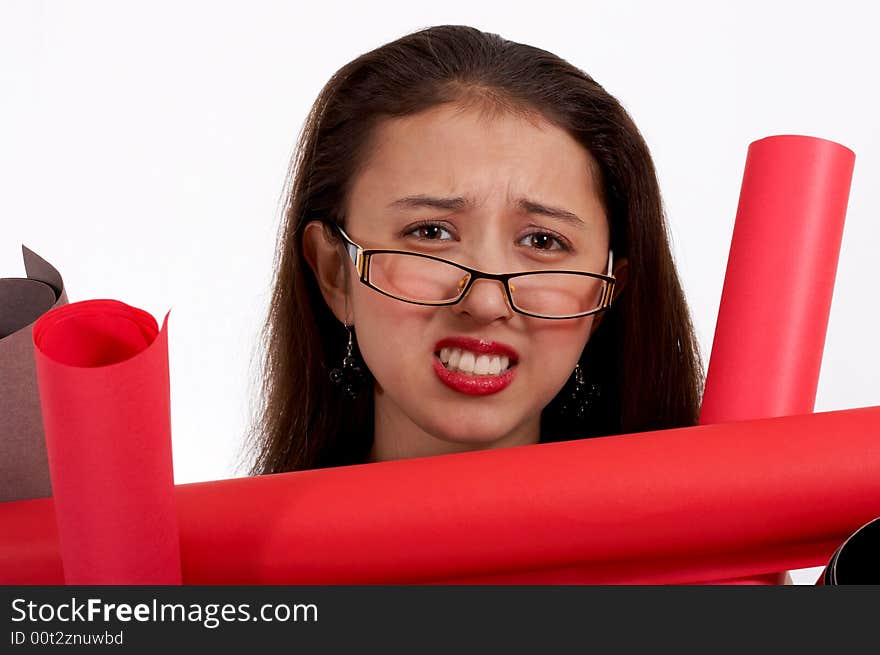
[475, 385]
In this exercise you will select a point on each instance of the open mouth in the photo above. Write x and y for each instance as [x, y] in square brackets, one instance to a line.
[474, 364]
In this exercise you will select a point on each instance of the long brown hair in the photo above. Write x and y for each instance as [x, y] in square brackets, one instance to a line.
[644, 355]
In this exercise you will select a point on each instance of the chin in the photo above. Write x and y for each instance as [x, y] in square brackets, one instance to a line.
[474, 435]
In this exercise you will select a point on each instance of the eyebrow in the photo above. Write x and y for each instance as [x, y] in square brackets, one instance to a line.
[525, 205]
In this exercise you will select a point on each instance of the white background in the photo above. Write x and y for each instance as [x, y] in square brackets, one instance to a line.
[143, 148]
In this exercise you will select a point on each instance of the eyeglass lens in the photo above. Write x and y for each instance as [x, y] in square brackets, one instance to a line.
[426, 280]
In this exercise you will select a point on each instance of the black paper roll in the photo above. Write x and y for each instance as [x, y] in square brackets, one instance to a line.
[857, 561]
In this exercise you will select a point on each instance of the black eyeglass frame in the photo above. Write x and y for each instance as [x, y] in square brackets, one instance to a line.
[361, 256]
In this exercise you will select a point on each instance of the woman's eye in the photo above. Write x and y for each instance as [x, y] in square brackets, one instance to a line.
[540, 241]
[428, 231]
[544, 241]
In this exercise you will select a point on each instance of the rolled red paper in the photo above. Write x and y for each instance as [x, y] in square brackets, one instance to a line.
[102, 368]
[776, 299]
[663, 507]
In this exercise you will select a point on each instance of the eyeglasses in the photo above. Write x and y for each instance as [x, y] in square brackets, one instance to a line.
[427, 280]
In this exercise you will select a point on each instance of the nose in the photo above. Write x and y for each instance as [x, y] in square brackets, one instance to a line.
[485, 302]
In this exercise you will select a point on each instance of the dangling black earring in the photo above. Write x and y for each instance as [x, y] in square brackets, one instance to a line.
[350, 378]
[581, 398]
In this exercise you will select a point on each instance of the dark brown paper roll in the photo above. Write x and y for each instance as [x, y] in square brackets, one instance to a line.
[24, 467]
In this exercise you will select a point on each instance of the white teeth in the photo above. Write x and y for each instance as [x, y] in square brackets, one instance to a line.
[466, 363]
[481, 367]
[470, 363]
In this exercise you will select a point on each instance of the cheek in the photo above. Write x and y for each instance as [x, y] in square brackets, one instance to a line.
[555, 349]
[390, 332]
[560, 339]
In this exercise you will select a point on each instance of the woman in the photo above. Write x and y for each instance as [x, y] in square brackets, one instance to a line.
[469, 154]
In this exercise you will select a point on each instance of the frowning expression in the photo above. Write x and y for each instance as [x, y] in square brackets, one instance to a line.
[501, 194]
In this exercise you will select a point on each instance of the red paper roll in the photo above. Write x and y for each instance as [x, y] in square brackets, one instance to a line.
[780, 275]
[102, 368]
[671, 506]
[774, 310]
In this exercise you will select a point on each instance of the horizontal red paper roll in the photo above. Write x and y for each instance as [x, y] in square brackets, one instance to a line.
[671, 506]
[776, 300]
[102, 368]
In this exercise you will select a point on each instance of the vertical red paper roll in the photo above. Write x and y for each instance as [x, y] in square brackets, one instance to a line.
[102, 369]
[780, 275]
[776, 299]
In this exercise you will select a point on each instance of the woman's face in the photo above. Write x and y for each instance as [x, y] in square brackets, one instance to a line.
[493, 167]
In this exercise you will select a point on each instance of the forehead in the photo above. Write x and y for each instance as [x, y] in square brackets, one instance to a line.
[450, 151]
